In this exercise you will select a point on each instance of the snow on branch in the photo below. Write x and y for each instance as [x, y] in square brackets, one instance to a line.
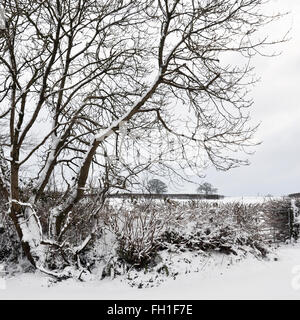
[127, 116]
[28, 219]
[82, 246]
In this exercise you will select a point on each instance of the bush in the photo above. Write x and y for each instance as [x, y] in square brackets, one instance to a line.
[143, 229]
[137, 230]
[217, 227]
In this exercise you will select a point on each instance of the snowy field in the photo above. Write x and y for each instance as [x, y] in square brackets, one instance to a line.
[246, 200]
[278, 278]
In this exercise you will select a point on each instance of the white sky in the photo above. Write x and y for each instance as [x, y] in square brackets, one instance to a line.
[275, 167]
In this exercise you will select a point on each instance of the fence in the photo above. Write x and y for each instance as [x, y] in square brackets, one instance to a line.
[277, 221]
[2, 279]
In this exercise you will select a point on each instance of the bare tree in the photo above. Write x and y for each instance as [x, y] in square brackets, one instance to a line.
[157, 186]
[114, 88]
[206, 188]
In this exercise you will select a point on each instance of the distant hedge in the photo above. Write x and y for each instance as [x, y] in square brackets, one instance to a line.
[294, 195]
[166, 196]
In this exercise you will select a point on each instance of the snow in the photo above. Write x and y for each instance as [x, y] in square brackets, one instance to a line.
[248, 279]
[83, 244]
[247, 200]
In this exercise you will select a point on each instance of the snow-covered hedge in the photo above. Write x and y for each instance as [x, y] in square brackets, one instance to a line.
[144, 229]
[136, 234]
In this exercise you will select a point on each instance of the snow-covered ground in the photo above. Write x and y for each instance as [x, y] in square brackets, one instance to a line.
[278, 278]
[248, 200]
[229, 199]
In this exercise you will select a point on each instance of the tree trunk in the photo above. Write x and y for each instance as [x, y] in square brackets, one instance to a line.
[25, 221]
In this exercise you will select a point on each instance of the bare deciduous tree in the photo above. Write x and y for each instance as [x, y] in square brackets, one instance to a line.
[206, 188]
[157, 186]
[72, 73]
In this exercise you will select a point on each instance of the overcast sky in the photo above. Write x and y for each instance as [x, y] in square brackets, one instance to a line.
[275, 167]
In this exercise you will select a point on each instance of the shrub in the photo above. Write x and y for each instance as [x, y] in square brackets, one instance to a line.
[145, 228]
[137, 230]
